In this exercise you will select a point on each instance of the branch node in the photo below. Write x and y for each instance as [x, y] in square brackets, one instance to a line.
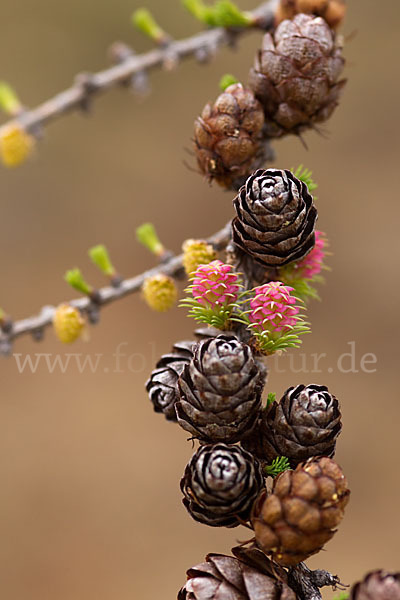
[93, 313]
[6, 325]
[119, 53]
[38, 334]
[88, 87]
[116, 281]
[171, 61]
[307, 583]
[5, 347]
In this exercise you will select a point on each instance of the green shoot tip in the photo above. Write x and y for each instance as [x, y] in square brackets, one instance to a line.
[278, 466]
[75, 279]
[223, 13]
[305, 175]
[143, 20]
[100, 257]
[147, 235]
[227, 80]
[9, 101]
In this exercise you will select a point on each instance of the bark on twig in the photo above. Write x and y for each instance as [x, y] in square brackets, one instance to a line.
[35, 325]
[89, 85]
[307, 583]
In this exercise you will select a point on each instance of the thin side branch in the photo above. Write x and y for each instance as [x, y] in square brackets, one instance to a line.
[87, 86]
[307, 583]
[35, 325]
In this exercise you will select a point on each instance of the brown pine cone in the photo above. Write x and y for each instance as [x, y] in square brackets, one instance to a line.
[377, 585]
[228, 137]
[296, 75]
[162, 386]
[302, 512]
[220, 485]
[305, 423]
[275, 218]
[220, 391]
[332, 11]
[227, 578]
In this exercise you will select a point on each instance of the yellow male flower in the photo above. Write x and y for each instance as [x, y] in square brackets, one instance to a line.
[160, 292]
[16, 145]
[196, 253]
[68, 323]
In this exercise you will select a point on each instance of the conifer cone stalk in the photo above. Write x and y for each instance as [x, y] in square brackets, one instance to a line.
[296, 75]
[220, 391]
[332, 11]
[162, 386]
[220, 485]
[275, 219]
[305, 423]
[228, 137]
[377, 585]
[302, 512]
[227, 578]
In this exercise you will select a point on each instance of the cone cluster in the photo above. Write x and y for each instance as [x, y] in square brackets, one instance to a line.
[212, 387]
[268, 465]
[295, 85]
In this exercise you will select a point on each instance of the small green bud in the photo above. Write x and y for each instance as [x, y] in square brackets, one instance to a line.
[147, 235]
[75, 279]
[9, 101]
[145, 22]
[278, 465]
[227, 80]
[342, 596]
[223, 13]
[100, 257]
[227, 14]
[305, 175]
[271, 399]
[199, 10]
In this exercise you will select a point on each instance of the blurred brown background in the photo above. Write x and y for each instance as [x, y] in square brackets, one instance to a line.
[89, 504]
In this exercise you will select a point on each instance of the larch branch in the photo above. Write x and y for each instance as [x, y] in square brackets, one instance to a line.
[87, 86]
[35, 325]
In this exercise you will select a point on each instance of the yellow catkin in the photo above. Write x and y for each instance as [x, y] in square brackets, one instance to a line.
[160, 292]
[196, 253]
[68, 323]
[16, 145]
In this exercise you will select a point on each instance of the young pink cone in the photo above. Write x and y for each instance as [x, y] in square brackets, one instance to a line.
[214, 289]
[274, 317]
[215, 284]
[273, 308]
[312, 264]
